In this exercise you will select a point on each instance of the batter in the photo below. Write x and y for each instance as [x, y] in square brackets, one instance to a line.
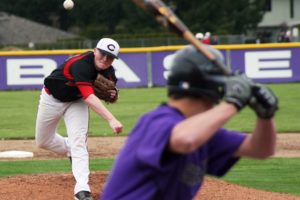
[173, 147]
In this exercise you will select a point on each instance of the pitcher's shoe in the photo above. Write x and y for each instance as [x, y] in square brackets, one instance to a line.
[83, 195]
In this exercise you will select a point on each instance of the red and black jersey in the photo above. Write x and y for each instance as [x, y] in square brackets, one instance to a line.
[76, 71]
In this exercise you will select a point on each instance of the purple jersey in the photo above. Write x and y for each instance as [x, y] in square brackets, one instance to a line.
[145, 169]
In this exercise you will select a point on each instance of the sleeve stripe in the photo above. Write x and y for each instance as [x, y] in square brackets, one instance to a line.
[85, 90]
[69, 63]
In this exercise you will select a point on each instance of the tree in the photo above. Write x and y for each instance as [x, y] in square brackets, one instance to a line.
[99, 17]
[226, 16]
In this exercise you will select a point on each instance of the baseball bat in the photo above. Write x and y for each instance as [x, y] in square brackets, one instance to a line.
[167, 18]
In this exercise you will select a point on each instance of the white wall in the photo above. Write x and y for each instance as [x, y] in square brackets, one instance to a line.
[281, 13]
[297, 10]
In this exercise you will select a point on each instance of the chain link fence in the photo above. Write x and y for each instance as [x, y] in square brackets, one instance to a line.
[134, 42]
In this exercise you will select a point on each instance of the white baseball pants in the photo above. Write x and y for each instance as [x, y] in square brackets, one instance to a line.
[76, 118]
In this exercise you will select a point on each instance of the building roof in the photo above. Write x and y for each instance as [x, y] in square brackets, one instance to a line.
[17, 30]
[275, 24]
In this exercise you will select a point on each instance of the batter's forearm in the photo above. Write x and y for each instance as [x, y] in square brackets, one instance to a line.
[261, 143]
[197, 130]
[264, 138]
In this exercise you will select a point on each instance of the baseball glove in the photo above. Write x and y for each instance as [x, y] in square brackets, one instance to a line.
[105, 89]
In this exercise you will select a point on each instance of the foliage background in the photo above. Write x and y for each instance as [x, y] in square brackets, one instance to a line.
[121, 17]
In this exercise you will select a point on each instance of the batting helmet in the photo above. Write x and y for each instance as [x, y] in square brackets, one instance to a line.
[192, 74]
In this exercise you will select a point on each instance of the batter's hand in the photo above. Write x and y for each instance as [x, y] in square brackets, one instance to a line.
[238, 90]
[264, 102]
[116, 126]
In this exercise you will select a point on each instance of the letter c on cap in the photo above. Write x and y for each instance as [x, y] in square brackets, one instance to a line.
[111, 47]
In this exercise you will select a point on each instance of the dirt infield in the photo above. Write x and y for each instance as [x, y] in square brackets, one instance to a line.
[60, 186]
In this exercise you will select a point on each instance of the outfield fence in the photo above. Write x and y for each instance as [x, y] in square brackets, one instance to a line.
[148, 67]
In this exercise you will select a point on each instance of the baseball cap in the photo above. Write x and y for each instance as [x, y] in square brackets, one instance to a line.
[108, 46]
[199, 36]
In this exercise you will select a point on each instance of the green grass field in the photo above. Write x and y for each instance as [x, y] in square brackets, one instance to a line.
[275, 174]
[11, 168]
[18, 112]
[19, 109]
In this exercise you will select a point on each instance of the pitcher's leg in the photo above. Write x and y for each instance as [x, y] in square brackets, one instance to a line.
[49, 113]
[76, 120]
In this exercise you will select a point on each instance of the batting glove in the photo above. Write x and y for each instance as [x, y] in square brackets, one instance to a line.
[238, 90]
[263, 102]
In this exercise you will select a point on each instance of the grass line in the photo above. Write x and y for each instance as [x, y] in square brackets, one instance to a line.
[12, 168]
[275, 174]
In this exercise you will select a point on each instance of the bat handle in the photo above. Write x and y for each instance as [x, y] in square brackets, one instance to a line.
[222, 67]
[190, 37]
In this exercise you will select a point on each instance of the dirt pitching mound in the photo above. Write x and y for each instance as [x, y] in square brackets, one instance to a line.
[60, 187]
